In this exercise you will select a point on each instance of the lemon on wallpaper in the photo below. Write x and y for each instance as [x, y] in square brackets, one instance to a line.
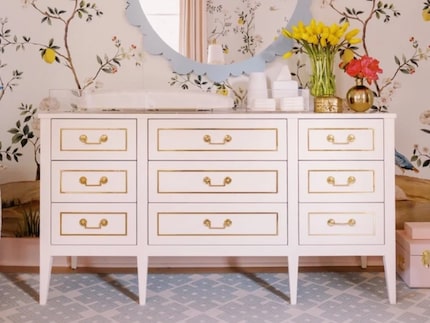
[49, 55]
[426, 14]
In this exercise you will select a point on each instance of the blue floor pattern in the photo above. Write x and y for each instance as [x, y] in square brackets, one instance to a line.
[211, 298]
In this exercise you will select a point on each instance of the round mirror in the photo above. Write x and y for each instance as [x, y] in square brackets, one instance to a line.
[256, 56]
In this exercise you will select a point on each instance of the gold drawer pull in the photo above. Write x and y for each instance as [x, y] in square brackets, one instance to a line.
[401, 263]
[102, 223]
[226, 224]
[332, 181]
[425, 258]
[84, 181]
[208, 181]
[332, 222]
[102, 139]
[349, 139]
[208, 139]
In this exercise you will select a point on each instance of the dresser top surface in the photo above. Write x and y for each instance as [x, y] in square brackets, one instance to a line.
[216, 114]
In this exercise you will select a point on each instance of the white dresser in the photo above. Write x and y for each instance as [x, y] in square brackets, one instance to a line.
[217, 184]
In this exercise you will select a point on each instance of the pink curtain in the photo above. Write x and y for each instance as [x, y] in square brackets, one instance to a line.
[192, 30]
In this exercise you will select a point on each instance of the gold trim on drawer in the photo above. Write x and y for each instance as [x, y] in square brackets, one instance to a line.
[343, 143]
[101, 181]
[96, 142]
[225, 182]
[227, 222]
[334, 222]
[101, 222]
[348, 182]
[227, 138]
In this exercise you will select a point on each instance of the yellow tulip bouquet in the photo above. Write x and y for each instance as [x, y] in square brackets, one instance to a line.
[321, 43]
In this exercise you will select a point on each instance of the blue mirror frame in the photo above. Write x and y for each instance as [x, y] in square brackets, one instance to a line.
[180, 64]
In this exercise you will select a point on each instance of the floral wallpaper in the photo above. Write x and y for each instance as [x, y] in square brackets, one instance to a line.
[76, 45]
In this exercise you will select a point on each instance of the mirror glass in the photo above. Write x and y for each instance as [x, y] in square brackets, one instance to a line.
[240, 36]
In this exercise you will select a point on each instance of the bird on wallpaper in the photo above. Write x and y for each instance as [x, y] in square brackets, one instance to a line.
[403, 163]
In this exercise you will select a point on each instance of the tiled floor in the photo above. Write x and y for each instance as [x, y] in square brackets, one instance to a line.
[211, 297]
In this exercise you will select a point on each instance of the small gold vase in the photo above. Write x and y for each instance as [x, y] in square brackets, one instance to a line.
[327, 104]
[359, 98]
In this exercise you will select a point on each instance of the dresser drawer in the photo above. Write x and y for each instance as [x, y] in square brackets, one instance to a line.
[93, 224]
[180, 181]
[217, 224]
[91, 181]
[93, 139]
[353, 139]
[346, 181]
[217, 139]
[341, 224]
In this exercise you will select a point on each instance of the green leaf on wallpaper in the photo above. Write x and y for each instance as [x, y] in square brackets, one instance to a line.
[99, 60]
[17, 138]
[13, 130]
[397, 60]
[47, 20]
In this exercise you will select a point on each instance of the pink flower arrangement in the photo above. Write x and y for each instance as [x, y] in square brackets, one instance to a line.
[364, 67]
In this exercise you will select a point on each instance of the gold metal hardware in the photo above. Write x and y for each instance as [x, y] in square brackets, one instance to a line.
[401, 262]
[208, 181]
[332, 181]
[332, 222]
[102, 223]
[208, 139]
[102, 139]
[425, 258]
[84, 181]
[226, 224]
[349, 139]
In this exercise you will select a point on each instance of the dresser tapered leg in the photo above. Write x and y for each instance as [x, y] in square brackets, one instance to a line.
[74, 262]
[142, 277]
[45, 269]
[363, 260]
[293, 276]
[390, 277]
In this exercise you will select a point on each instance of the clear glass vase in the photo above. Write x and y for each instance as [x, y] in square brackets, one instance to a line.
[322, 82]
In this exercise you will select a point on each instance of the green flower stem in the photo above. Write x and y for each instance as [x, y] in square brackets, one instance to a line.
[322, 82]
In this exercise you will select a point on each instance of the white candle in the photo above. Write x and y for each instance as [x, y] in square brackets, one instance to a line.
[215, 54]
